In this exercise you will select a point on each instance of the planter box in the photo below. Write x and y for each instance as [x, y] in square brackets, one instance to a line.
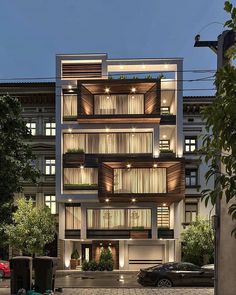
[80, 187]
[74, 263]
[167, 155]
[74, 158]
[139, 234]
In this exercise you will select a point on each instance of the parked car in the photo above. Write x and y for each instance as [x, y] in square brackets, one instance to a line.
[176, 274]
[4, 269]
[209, 266]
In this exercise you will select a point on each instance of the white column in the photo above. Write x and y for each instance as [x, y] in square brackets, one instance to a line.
[179, 109]
[156, 136]
[121, 254]
[178, 218]
[61, 214]
[83, 231]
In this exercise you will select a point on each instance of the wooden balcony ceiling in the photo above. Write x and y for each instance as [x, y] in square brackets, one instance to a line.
[119, 86]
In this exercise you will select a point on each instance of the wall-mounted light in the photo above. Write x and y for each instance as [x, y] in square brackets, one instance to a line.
[133, 89]
[107, 200]
[164, 101]
[69, 130]
[107, 90]
[155, 165]
[128, 165]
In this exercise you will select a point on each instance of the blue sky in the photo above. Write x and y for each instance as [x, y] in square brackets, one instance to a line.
[32, 32]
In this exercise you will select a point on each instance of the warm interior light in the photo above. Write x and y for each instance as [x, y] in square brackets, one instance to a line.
[166, 66]
[133, 200]
[143, 66]
[108, 97]
[164, 204]
[164, 101]
[69, 87]
[107, 129]
[155, 165]
[107, 200]
[107, 90]
[121, 67]
[164, 136]
[70, 200]
[70, 130]
[128, 165]
[81, 166]
[133, 89]
[133, 129]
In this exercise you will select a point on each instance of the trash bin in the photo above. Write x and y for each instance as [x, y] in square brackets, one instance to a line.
[21, 273]
[44, 273]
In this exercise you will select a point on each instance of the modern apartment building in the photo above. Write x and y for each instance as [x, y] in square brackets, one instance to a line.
[120, 180]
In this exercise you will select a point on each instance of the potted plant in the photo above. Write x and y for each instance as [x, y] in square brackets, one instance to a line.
[74, 261]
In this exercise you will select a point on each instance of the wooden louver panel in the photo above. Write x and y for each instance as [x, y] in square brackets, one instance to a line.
[81, 70]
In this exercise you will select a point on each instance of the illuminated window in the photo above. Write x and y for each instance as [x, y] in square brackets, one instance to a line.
[165, 110]
[50, 201]
[191, 177]
[50, 166]
[190, 144]
[73, 216]
[32, 127]
[191, 210]
[163, 217]
[50, 129]
[164, 145]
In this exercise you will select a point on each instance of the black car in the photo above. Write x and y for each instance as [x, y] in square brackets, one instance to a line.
[176, 274]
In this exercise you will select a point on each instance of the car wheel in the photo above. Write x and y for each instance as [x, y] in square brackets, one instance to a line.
[1, 274]
[164, 283]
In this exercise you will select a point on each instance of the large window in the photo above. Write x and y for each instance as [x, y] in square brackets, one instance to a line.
[118, 218]
[50, 201]
[109, 143]
[70, 105]
[190, 144]
[191, 210]
[191, 177]
[164, 145]
[163, 217]
[73, 216]
[32, 127]
[119, 104]
[140, 180]
[50, 129]
[49, 166]
[80, 176]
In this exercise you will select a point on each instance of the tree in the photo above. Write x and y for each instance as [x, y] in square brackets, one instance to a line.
[32, 228]
[219, 145]
[198, 243]
[16, 156]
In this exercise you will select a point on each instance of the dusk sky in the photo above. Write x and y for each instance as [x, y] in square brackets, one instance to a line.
[33, 32]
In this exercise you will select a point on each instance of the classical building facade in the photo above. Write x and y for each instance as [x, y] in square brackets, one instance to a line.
[118, 156]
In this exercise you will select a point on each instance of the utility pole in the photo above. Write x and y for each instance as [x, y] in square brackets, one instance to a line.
[223, 43]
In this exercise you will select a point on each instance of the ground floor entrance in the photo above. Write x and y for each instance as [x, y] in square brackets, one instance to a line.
[127, 254]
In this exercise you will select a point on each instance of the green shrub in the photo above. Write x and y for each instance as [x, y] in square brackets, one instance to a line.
[102, 265]
[93, 265]
[75, 151]
[105, 255]
[85, 265]
[109, 265]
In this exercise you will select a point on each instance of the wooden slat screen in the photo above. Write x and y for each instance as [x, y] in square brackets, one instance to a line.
[176, 179]
[86, 102]
[81, 70]
[152, 100]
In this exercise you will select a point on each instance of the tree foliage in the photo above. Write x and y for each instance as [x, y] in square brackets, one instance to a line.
[32, 228]
[219, 145]
[15, 155]
[198, 243]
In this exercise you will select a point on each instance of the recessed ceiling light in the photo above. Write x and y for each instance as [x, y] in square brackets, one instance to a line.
[155, 165]
[70, 130]
[107, 129]
[107, 90]
[166, 66]
[81, 166]
[143, 66]
[107, 200]
[164, 204]
[133, 200]
[133, 129]
[164, 101]
[128, 165]
[133, 89]
[164, 136]
[70, 200]
[121, 67]
[108, 97]
[70, 86]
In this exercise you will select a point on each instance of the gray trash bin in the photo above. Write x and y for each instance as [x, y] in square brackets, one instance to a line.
[44, 273]
[21, 273]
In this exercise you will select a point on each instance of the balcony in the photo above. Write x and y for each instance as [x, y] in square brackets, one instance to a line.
[165, 233]
[145, 180]
[119, 101]
[72, 234]
[119, 234]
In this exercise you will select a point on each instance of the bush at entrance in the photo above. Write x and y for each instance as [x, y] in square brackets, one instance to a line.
[85, 265]
[93, 265]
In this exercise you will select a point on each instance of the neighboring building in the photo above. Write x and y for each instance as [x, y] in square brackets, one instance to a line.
[38, 102]
[127, 174]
